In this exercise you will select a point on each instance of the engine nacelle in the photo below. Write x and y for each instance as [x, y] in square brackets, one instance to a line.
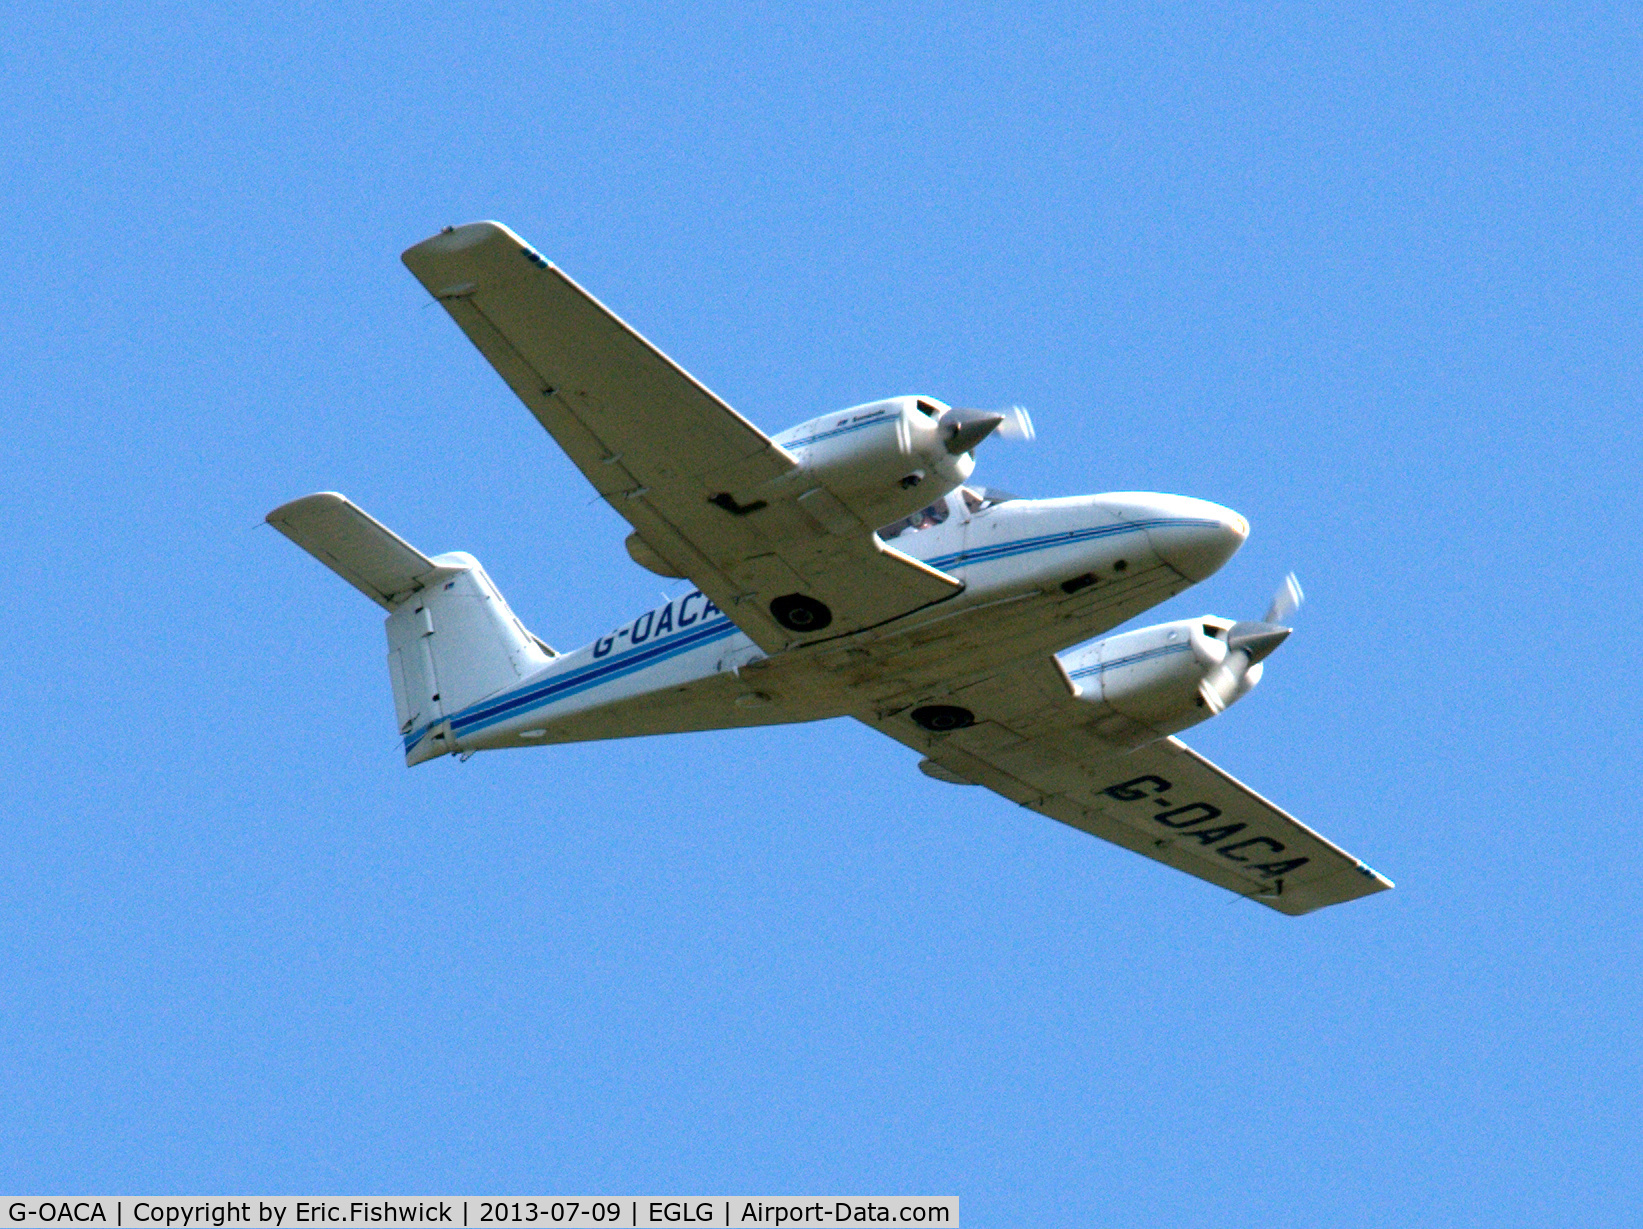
[1160, 680]
[881, 461]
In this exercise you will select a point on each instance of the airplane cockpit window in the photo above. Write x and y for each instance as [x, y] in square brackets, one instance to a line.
[924, 518]
[979, 499]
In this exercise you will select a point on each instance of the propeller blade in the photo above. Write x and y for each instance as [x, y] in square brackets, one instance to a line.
[1212, 697]
[1285, 602]
[1017, 424]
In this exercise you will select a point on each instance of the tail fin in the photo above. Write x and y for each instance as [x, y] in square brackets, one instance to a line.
[452, 640]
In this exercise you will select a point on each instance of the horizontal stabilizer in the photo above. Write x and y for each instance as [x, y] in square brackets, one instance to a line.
[357, 547]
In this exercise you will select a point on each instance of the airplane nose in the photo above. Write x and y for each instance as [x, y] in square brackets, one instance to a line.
[1194, 536]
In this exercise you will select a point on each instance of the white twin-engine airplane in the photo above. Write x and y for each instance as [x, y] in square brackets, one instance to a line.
[841, 568]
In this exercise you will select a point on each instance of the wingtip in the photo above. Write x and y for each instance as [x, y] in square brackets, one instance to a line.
[304, 503]
[455, 241]
[459, 259]
[1383, 884]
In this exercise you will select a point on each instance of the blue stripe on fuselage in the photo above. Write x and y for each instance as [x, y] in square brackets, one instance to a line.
[557, 687]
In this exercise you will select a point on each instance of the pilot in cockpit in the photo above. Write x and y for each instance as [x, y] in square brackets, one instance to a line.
[925, 518]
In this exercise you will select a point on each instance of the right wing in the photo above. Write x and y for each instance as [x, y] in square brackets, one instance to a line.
[684, 469]
[1031, 742]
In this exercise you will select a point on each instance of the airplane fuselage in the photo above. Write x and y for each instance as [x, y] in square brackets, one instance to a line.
[1038, 576]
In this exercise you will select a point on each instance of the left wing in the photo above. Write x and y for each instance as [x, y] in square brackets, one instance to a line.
[682, 467]
[1032, 744]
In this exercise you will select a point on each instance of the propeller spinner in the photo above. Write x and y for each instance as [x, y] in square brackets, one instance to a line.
[963, 429]
[1249, 642]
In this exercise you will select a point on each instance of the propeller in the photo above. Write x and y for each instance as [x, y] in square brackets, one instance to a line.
[1017, 424]
[1249, 642]
[962, 429]
[1286, 601]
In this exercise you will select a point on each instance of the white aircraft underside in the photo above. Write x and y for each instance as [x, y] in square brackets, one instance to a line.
[841, 568]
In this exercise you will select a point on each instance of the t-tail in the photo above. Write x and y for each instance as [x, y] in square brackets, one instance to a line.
[452, 640]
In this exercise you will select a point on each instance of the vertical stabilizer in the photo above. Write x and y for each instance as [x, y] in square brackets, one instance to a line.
[451, 645]
[452, 639]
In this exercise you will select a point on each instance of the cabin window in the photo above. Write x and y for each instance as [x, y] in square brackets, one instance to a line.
[924, 518]
[979, 499]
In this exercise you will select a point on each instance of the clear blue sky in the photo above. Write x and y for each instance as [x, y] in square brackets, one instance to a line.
[1368, 274]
